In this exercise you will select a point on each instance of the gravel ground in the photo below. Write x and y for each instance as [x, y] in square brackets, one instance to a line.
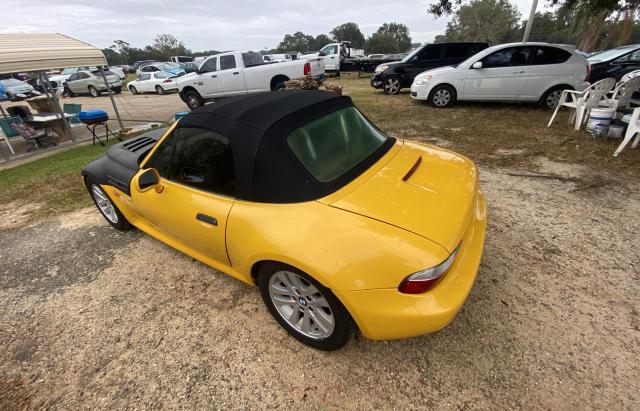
[93, 318]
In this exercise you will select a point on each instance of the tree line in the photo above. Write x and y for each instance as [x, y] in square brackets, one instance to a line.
[591, 25]
[389, 38]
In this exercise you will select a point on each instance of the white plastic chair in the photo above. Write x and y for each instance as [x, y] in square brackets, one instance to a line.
[621, 95]
[580, 102]
[632, 130]
[629, 76]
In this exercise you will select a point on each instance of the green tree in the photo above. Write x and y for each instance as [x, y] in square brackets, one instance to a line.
[381, 43]
[166, 45]
[400, 34]
[349, 32]
[297, 41]
[320, 41]
[112, 57]
[121, 47]
[494, 21]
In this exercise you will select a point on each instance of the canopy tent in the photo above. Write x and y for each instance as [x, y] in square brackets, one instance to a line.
[39, 52]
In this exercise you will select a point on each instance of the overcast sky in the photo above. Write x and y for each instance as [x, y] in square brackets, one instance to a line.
[211, 24]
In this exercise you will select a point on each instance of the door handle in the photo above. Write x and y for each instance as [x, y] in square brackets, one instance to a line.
[236, 72]
[518, 72]
[206, 219]
[214, 76]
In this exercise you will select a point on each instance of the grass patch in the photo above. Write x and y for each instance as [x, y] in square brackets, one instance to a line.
[129, 77]
[53, 183]
[481, 131]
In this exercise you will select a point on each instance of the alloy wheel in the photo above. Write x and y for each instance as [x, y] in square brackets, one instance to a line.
[441, 98]
[553, 99]
[392, 85]
[192, 102]
[301, 305]
[104, 204]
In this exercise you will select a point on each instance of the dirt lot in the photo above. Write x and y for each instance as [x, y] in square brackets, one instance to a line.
[94, 318]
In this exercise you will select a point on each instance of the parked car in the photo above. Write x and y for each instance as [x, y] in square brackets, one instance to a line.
[173, 68]
[339, 225]
[614, 63]
[58, 80]
[159, 82]
[16, 90]
[119, 71]
[181, 59]
[139, 63]
[529, 72]
[393, 77]
[377, 56]
[277, 58]
[92, 83]
[234, 73]
[190, 67]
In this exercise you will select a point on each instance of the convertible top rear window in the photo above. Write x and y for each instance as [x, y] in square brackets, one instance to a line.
[335, 143]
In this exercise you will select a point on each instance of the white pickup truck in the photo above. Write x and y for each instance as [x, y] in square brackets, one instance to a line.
[235, 73]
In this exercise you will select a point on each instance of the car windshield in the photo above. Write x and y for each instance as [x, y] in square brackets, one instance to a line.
[609, 54]
[11, 82]
[335, 143]
[162, 74]
[410, 55]
[68, 70]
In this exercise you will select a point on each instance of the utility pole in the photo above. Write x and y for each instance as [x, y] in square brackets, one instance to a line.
[532, 14]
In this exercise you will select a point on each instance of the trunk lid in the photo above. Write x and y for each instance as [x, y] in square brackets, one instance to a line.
[426, 190]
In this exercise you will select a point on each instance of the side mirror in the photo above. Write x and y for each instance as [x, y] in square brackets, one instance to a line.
[322, 53]
[477, 65]
[148, 180]
[191, 175]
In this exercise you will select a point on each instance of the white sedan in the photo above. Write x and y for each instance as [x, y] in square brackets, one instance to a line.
[531, 72]
[158, 82]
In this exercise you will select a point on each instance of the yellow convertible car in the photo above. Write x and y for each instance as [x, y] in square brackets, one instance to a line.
[339, 225]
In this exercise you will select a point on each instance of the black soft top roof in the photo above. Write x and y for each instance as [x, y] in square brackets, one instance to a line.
[257, 126]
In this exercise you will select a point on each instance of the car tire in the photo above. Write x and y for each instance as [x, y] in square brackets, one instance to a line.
[392, 85]
[314, 316]
[160, 90]
[93, 91]
[106, 206]
[551, 97]
[133, 90]
[69, 92]
[442, 96]
[193, 99]
[117, 90]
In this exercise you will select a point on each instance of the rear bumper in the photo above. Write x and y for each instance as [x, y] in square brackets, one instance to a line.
[384, 314]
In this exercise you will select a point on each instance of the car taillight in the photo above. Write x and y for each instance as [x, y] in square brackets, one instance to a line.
[424, 280]
[307, 69]
[588, 71]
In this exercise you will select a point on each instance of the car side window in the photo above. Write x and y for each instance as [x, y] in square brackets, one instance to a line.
[161, 158]
[144, 77]
[73, 77]
[227, 62]
[210, 65]
[430, 52]
[331, 49]
[550, 55]
[630, 58]
[509, 57]
[456, 51]
[203, 159]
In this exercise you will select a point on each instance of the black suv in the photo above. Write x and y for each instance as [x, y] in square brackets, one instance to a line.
[391, 77]
[614, 63]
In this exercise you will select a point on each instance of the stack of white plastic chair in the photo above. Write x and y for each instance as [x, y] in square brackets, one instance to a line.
[621, 95]
[632, 130]
[629, 75]
[580, 102]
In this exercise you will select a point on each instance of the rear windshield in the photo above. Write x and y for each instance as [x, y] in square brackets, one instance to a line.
[252, 59]
[335, 143]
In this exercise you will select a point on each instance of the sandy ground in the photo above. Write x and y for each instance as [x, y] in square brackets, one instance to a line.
[94, 318]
